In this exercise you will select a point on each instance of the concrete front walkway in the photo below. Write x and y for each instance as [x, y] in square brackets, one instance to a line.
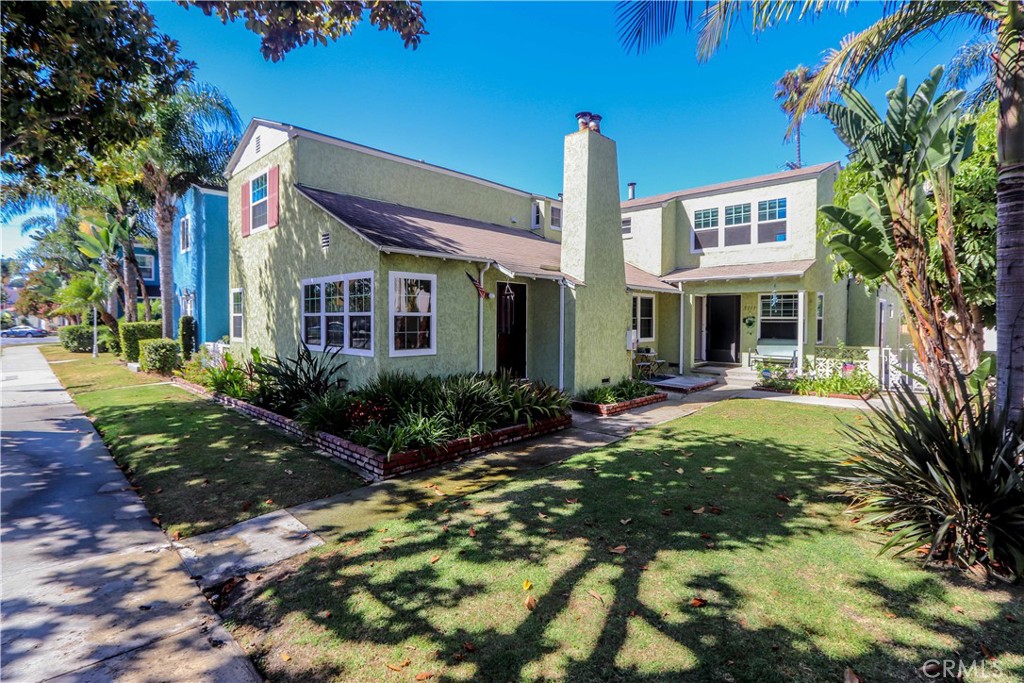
[92, 591]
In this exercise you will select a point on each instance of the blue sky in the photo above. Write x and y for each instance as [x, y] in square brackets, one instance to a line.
[493, 89]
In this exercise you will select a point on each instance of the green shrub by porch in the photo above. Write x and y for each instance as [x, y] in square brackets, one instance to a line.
[187, 335]
[159, 355]
[78, 338]
[132, 333]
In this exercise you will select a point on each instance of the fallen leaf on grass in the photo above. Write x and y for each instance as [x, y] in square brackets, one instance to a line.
[850, 677]
[572, 501]
[699, 511]
[245, 506]
[434, 559]
[425, 676]
[530, 603]
[958, 609]
[698, 602]
[715, 510]
[399, 667]
[469, 647]
[985, 652]
[286, 657]
[472, 532]
[618, 550]
[158, 489]
[542, 515]
[176, 536]
[1012, 619]
[596, 596]
[481, 511]
[156, 520]
[268, 501]
[705, 536]
[625, 521]
[931, 668]
[783, 497]
[679, 470]
[527, 585]
[289, 472]
[666, 512]
[633, 479]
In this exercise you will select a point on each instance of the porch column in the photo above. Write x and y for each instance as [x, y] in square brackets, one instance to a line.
[682, 326]
[801, 329]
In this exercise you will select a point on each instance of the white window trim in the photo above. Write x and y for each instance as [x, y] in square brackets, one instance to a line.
[654, 317]
[185, 234]
[795, 319]
[537, 216]
[627, 235]
[252, 205]
[819, 298]
[694, 249]
[432, 351]
[232, 314]
[344, 278]
[149, 258]
[558, 227]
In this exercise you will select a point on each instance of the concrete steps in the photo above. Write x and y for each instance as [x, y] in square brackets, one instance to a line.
[734, 376]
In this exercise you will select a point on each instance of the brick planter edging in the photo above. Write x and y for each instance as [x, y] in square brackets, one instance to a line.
[376, 465]
[613, 408]
[793, 392]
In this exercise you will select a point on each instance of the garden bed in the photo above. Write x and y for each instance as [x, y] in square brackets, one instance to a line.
[621, 406]
[377, 465]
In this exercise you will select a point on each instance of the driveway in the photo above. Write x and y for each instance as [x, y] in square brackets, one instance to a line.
[91, 589]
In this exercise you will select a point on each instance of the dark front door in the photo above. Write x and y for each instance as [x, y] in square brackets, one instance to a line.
[512, 328]
[723, 326]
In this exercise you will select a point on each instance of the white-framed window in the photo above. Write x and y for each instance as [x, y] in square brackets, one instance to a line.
[820, 318]
[705, 218]
[705, 229]
[412, 321]
[556, 218]
[147, 266]
[259, 202]
[737, 225]
[737, 214]
[771, 221]
[337, 313]
[537, 217]
[237, 314]
[643, 317]
[779, 317]
[185, 226]
[627, 228]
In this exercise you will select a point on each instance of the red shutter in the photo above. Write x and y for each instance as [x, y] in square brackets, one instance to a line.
[246, 217]
[273, 179]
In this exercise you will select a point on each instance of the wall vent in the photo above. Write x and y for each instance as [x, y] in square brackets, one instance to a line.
[257, 144]
[325, 240]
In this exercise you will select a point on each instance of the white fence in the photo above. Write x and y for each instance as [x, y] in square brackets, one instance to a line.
[889, 366]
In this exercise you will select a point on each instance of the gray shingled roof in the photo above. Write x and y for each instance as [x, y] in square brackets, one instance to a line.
[743, 271]
[771, 178]
[393, 227]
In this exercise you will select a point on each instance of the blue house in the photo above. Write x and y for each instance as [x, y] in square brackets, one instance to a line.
[149, 269]
[200, 262]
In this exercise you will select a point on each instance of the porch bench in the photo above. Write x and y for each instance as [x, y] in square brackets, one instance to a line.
[774, 352]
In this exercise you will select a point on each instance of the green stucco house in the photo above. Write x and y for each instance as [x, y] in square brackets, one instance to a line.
[342, 246]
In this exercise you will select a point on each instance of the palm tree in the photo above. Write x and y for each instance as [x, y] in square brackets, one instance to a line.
[197, 130]
[645, 23]
[788, 91]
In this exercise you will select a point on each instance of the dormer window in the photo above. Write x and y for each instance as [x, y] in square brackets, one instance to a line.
[538, 216]
[705, 229]
[556, 218]
[771, 220]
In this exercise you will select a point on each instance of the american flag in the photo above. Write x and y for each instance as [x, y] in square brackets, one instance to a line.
[479, 287]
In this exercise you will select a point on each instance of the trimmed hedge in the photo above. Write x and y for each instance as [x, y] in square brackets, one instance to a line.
[159, 355]
[132, 333]
[78, 338]
[187, 335]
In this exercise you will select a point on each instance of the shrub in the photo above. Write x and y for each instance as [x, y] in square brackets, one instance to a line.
[76, 338]
[187, 335]
[954, 486]
[196, 369]
[230, 378]
[626, 390]
[282, 385]
[858, 382]
[110, 341]
[400, 390]
[602, 395]
[330, 412]
[159, 355]
[411, 429]
[132, 333]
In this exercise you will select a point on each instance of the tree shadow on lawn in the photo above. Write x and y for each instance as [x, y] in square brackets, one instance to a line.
[200, 466]
[776, 581]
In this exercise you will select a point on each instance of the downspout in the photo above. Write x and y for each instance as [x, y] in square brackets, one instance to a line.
[682, 312]
[561, 334]
[480, 322]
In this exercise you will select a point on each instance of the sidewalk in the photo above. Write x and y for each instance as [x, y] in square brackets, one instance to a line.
[91, 589]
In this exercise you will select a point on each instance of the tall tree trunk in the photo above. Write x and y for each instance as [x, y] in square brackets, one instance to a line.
[799, 161]
[164, 212]
[965, 330]
[1010, 215]
[131, 311]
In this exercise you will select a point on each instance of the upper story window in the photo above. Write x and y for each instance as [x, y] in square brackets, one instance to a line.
[337, 312]
[737, 225]
[627, 228]
[537, 218]
[705, 229]
[556, 217]
[147, 266]
[771, 221]
[258, 203]
[413, 318]
[186, 233]
[737, 214]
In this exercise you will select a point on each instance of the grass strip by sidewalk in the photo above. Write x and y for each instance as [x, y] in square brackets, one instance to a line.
[198, 465]
[711, 549]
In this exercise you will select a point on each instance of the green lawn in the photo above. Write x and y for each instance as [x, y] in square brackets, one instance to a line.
[734, 506]
[198, 465]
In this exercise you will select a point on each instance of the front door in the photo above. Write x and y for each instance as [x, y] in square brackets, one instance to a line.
[723, 326]
[512, 328]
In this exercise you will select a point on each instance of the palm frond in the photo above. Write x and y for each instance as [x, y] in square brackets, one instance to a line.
[974, 59]
[643, 24]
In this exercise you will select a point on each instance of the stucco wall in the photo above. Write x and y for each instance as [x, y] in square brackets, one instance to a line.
[213, 301]
[186, 265]
[643, 248]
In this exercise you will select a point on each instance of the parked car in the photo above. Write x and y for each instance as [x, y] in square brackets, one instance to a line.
[23, 331]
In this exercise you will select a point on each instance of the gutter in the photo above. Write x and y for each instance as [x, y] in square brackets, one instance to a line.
[480, 323]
